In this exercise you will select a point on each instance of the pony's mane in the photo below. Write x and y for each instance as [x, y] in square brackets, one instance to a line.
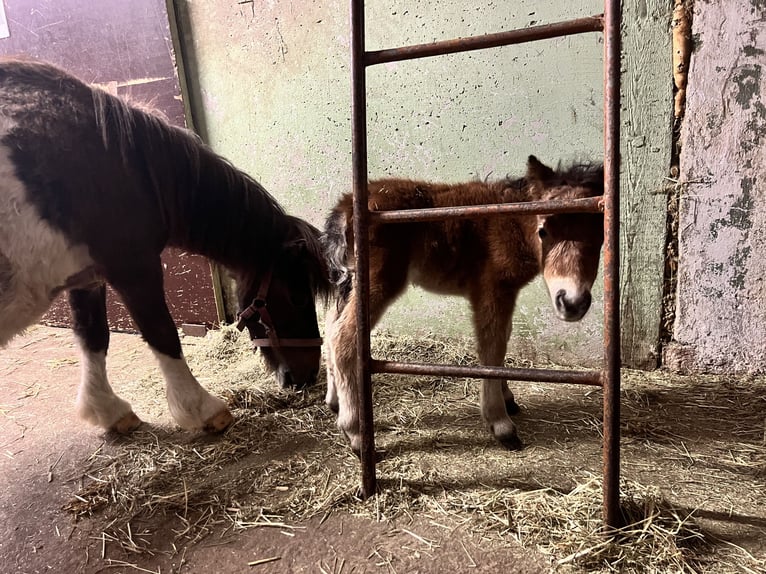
[302, 232]
[141, 136]
[133, 129]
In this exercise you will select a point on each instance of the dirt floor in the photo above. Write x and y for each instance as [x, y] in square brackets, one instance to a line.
[276, 493]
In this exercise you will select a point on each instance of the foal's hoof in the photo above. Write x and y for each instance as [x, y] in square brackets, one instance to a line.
[333, 407]
[510, 441]
[218, 422]
[126, 424]
[512, 407]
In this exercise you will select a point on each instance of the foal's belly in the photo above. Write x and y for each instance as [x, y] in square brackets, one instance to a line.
[436, 282]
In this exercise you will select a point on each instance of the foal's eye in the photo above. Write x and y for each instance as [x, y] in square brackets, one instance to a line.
[542, 233]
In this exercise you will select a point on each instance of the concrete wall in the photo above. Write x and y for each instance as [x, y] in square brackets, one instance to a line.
[270, 90]
[721, 317]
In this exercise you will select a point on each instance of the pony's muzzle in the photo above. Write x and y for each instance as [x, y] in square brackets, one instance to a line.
[572, 309]
[296, 380]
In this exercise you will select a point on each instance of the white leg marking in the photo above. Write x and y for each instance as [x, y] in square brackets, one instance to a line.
[96, 401]
[190, 405]
[494, 414]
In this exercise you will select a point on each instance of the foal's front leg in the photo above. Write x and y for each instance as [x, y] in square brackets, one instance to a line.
[96, 401]
[492, 325]
[191, 406]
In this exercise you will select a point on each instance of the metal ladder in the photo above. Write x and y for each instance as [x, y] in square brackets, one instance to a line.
[609, 376]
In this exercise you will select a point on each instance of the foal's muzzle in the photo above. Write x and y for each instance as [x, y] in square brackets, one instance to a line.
[572, 309]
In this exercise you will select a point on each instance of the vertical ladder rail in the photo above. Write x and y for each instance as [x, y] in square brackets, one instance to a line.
[611, 371]
[609, 376]
[361, 245]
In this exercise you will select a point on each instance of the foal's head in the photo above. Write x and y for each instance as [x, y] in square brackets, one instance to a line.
[570, 244]
[281, 298]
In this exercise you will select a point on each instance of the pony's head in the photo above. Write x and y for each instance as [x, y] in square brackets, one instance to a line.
[278, 307]
[569, 243]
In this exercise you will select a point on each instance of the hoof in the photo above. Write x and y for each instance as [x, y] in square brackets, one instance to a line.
[218, 422]
[512, 407]
[333, 407]
[126, 424]
[511, 442]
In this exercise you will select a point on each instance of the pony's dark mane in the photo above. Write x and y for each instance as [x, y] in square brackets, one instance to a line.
[206, 204]
[204, 185]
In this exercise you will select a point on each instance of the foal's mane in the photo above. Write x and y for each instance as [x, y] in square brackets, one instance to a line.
[588, 175]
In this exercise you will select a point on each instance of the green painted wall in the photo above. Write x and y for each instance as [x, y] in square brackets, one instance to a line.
[270, 90]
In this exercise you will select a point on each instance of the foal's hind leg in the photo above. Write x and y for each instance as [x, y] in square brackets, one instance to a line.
[331, 397]
[191, 406]
[96, 401]
[492, 324]
[383, 291]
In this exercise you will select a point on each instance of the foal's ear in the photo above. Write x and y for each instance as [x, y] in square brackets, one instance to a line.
[537, 170]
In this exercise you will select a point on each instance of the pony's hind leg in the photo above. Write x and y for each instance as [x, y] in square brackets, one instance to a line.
[96, 401]
[342, 389]
[492, 324]
[331, 397]
[383, 290]
[191, 406]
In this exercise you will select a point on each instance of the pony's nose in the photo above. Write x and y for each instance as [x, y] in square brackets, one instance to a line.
[572, 310]
[289, 380]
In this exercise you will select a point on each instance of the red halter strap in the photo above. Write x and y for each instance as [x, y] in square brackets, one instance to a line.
[259, 307]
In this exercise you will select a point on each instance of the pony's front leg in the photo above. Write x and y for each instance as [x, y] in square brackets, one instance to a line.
[96, 401]
[191, 406]
[492, 324]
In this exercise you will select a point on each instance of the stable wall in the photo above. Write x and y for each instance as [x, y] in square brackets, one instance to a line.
[269, 88]
[721, 317]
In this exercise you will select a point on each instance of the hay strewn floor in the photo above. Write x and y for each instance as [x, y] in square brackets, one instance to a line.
[694, 463]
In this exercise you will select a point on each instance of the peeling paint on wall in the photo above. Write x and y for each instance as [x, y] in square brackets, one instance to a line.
[721, 319]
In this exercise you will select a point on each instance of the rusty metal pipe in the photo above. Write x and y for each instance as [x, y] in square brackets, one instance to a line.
[361, 245]
[611, 374]
[584, 205]
[544, 32]
[592, 378]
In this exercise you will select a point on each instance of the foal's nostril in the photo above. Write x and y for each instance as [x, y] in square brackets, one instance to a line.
[572, 310]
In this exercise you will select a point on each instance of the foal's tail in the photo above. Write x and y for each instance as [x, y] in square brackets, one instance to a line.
[338, 246]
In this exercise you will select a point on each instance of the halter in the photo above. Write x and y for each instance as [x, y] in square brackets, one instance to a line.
[258, 307]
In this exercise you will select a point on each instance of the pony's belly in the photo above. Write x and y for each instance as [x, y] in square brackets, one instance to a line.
[435, 283]
[36, 260]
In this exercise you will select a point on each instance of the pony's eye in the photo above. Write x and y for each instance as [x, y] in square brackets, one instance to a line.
[542, 233]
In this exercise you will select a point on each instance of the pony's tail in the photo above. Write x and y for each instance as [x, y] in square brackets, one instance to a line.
[336, 245]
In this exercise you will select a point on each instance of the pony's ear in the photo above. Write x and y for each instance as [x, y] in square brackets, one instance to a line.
[537, 170]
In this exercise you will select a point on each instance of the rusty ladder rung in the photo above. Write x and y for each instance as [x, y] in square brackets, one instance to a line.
[549, 207]
[563, 376]
[520, 36]
[609, 377]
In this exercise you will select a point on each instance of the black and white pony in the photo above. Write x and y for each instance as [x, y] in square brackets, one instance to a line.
[92, 190]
